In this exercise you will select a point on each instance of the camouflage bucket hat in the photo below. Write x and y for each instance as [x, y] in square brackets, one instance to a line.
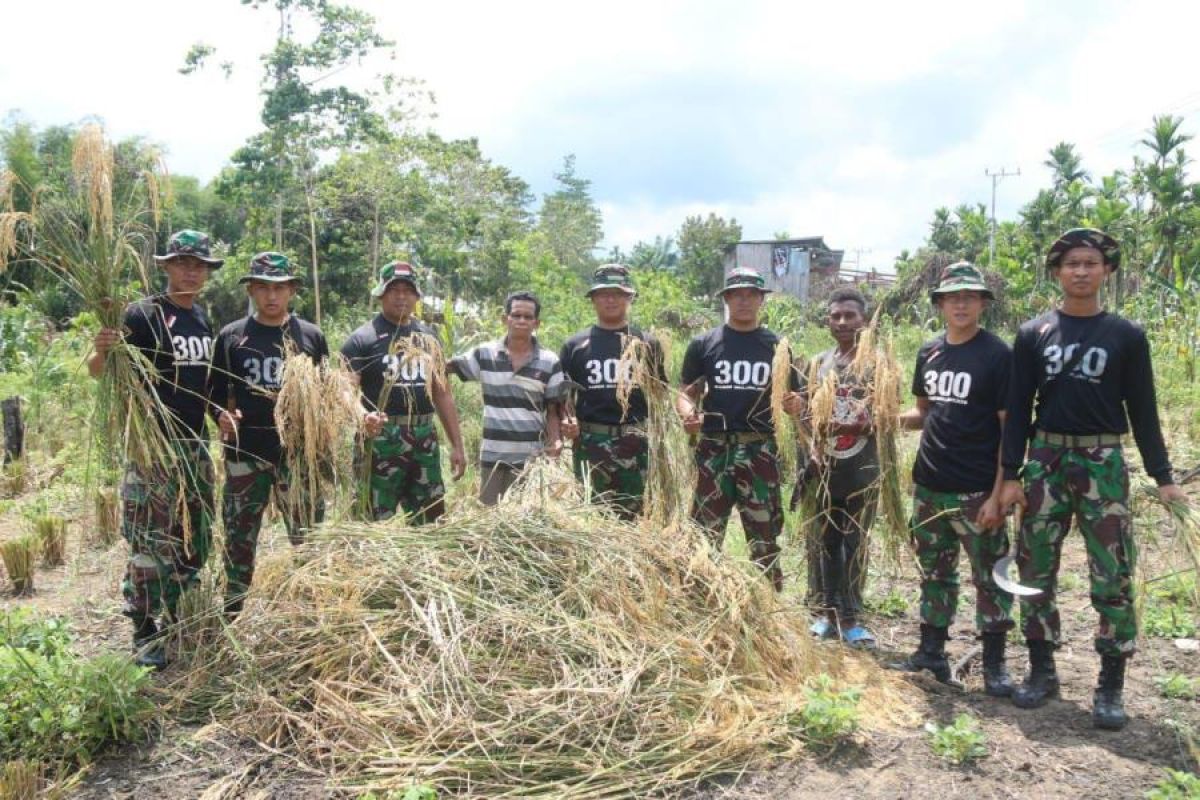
[1085, 237]
[612, 276]
[190, 243]
[961, 277]
[271, 267]
[396, 271]
[744, 278]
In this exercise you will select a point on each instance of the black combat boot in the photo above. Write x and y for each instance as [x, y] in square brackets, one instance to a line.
[930, 655]
[996, 681]
[148, 648]
[1042, 682]
[1108, 710]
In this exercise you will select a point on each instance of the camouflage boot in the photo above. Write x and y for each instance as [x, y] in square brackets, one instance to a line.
[1042, 681]
[930, 655]
[147, 644]
[996, 681]
[1108, 709]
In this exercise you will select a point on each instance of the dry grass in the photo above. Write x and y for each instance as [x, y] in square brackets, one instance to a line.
[790, 436]
[19, 556]
[108, 516]
[537, 649]
[51, 533]
[21, 780]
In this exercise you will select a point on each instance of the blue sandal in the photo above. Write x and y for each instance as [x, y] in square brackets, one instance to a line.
[823, 629]
[859, 637]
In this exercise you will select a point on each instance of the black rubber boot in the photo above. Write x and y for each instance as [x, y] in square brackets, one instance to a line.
[148, 648]
[930, 655]
[1042, 682]
[1108, 709]
[996, 681]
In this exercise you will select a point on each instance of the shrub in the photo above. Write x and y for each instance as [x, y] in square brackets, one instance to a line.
[829, 714]
[960, 742]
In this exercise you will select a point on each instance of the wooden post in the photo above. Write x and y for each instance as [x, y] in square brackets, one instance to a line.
[14, 429]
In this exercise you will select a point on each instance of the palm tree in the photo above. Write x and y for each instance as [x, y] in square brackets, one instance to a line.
[1164, 137]
[1066, 164]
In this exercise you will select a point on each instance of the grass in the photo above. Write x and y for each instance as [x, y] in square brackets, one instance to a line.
[19, 556]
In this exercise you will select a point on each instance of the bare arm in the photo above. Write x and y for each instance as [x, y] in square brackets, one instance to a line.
[914, 418]
[686, 405]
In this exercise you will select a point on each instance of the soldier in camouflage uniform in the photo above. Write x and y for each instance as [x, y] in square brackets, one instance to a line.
[961, 385]
[611, 452]
[1089, 372]
[168, 548]
[400, 461]
[247, 367]
[726, 402]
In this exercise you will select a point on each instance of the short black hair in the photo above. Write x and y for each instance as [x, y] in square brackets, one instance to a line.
[848, 294]
[528, 297]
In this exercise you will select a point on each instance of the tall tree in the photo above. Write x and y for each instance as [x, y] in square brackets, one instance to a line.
[702, 245]
[1066, 165]
[570, 220]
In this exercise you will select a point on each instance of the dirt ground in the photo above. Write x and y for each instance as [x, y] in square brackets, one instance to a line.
[1053, 752]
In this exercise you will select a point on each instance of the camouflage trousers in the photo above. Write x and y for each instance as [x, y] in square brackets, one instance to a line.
[614, 469]
[248, 488]
[167, 520]
[405, 470]
[1090, 484]
[745, 475]
[941, 521]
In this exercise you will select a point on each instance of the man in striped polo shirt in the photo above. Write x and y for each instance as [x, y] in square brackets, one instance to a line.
[522, 386]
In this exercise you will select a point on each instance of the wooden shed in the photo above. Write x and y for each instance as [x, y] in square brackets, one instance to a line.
[803, 268]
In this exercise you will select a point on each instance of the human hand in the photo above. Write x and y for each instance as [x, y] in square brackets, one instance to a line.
[228, 423]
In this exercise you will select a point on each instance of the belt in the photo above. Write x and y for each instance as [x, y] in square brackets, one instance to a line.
[1080, 440]
[613, 430]
[410, 420]
[737, 437]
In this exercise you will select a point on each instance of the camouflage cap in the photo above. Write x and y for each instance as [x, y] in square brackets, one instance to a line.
[612, 276]
[744, 278]
[271, 267]
[190, 243]
[396, 271]
[962, 276]
[1109, 247]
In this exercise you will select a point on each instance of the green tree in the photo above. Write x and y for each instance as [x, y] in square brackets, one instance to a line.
[570, 220]
[702, 244]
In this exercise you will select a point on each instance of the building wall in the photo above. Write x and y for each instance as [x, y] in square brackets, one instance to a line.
[760, 256]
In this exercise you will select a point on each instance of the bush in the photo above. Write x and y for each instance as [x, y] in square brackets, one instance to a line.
[55, 706]
[958, 743]
[829, 714]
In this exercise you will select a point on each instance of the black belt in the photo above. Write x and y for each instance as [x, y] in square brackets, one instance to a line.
[613, 430]
[1080, 439]
[737, 437]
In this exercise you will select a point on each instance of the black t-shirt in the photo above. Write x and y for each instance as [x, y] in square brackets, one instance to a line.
[1088, 375]
[369, 353]
[246, 370]
[967, 386]
[591, 359]
[179, 342]
[735, 367]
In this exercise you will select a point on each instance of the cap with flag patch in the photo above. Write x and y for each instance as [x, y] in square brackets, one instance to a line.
[190, 243]
[396, 271]
[1084, 237]
[744, 278]
[612, 276]
[962, 276]
[271, 267]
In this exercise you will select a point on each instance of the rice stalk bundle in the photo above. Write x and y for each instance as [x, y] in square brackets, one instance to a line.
[316, 405]
[1184, 519]
[51, 532]
[108, 516]
[540, 648]
[642, 366]
[790, 437]
[19, 556]
[21, 779]
[97, 242]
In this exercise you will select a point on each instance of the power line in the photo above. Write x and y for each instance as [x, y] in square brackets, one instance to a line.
[996, 178]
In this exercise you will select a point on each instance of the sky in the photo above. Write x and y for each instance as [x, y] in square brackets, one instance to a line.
[851, 121]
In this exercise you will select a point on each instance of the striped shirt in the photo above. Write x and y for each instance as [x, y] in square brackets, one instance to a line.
[514, 404]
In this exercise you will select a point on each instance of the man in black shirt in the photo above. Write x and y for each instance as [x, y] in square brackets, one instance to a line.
[1088, 370]
[391, 356]
[961, 386]
[168, 525]
[246, 368]
[611, 450]
[726, 400]
[847, 481]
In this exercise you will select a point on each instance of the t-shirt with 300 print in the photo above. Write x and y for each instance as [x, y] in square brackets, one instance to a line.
[736, 369]
[248, 364]
[179, 342]
[592, 360]
[967, 385]
[369, 352]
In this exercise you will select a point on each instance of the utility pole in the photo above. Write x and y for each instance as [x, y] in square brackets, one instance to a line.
[996, 178]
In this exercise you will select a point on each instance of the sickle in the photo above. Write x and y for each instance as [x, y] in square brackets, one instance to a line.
[1000, 569]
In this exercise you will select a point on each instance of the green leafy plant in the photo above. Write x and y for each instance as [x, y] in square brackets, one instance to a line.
[420, 791]
[959, 742]
[1178, 687]
[829, 714]
[1168, 620]
[893, 605]
[1176, 785]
